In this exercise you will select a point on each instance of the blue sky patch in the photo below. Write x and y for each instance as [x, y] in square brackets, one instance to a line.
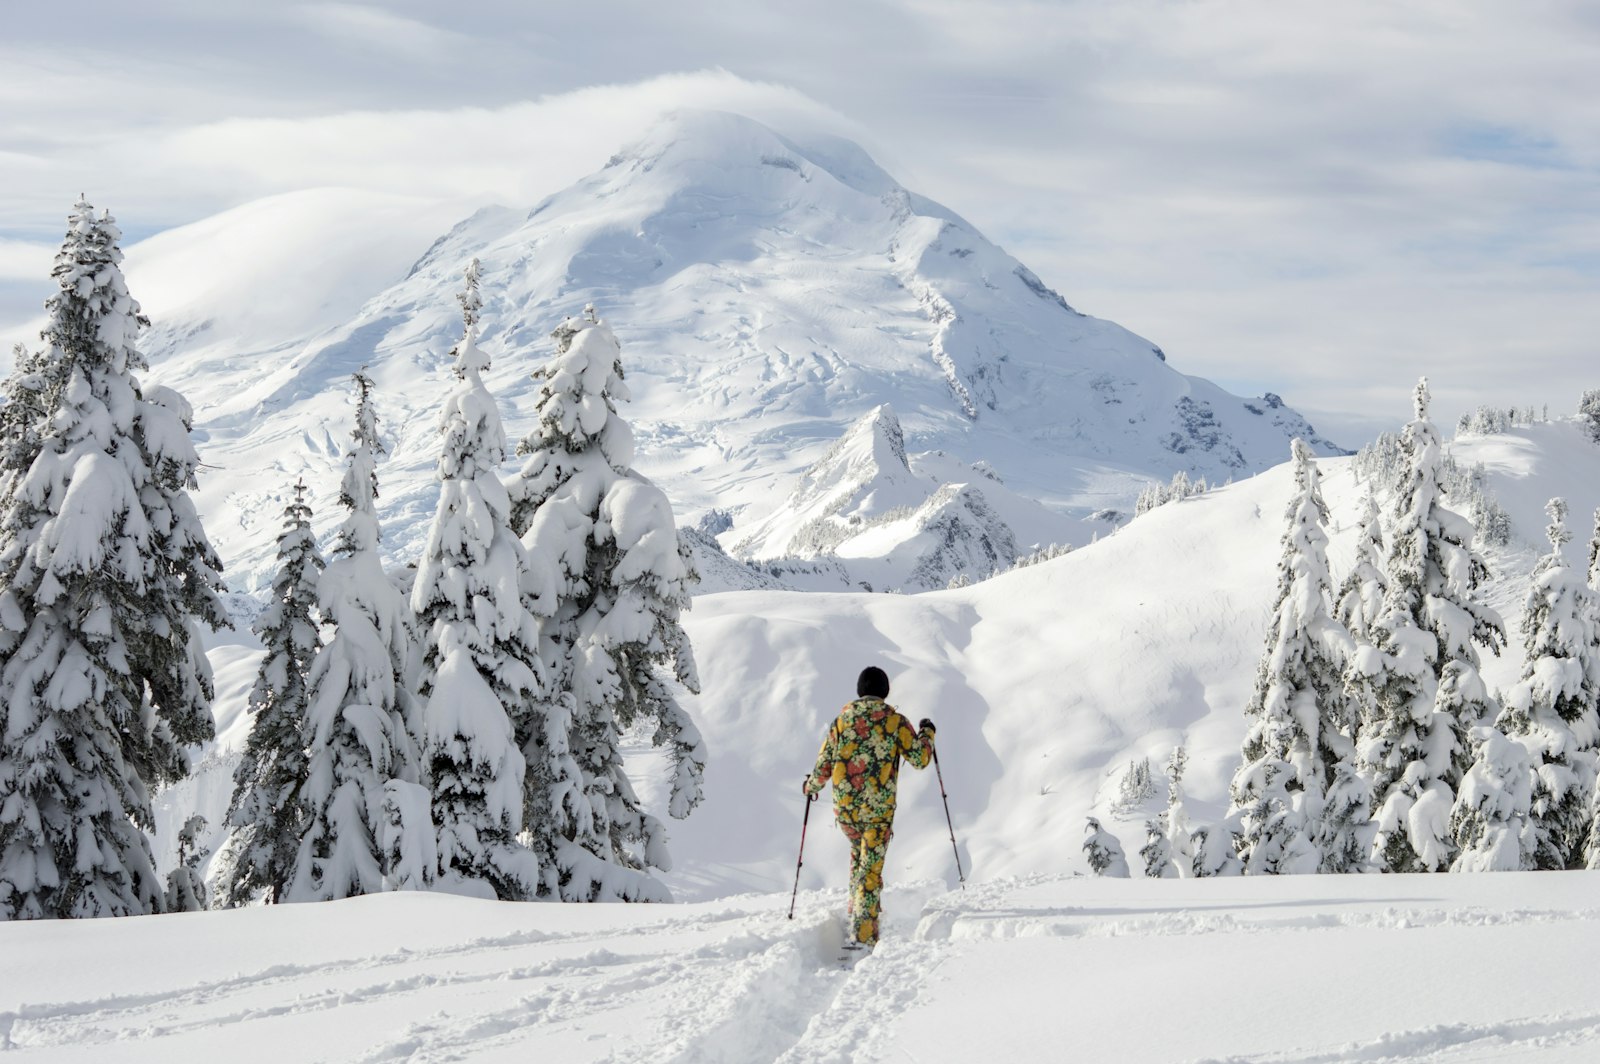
[1506, 145]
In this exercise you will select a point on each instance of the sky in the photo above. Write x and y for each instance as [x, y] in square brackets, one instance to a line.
[1321, 200]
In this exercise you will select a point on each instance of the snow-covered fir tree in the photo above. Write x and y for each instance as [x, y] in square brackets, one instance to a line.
[1136, 788]
[1175, 825]
[1104, 852]
[104, 574]
[1344, 833]
[186, 883]
[1298, 719]
[361, 717]
[1589, 413]
[1359, 599]
[1156, 851]
[1591, 844]
[1412, 741]
[1211, 847]
[1551, 710]
[1492, 819]
[1594, 556]
[267, 812]
[22, 417]
[614, 638]
[481, 671]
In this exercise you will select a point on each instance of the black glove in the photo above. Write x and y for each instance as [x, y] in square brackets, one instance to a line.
[926, 725]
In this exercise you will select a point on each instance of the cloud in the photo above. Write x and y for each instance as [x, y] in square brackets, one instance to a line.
[1323, 200]
[373, 27]
[513, 154]
[22, 260]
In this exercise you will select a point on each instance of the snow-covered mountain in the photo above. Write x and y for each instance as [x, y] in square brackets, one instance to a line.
[769, 293]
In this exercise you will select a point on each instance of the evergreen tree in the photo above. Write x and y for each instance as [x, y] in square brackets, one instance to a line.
[186, 883]
[1492, 819]
[1359, 600]
[481, 666]
[1551, 711]
[1298, 724]
[104, 571]
[1156, 852]
[1175, 825]
[1591, 845]
[22, 418]
[1589, 413]
[1212, 846]
[407, 840]
[1594, 555]
[267, 812]
[1104, 852]
[1411, 744]
[361, 717]
[621, 581]
[1344, 833]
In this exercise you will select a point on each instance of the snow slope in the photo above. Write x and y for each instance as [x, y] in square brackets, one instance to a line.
[768, 294]
[1048, 968]
[1044, 682]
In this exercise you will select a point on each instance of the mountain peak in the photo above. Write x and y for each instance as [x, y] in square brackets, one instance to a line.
[705, 143]
[870, 458]
[770, 292]
[864, 475]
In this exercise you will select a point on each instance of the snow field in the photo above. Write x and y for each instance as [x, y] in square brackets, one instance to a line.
[432, 977]
[1030, 968]
[1264, 969]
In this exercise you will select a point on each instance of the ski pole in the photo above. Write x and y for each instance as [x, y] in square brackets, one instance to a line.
[953, 848]
[801, 859]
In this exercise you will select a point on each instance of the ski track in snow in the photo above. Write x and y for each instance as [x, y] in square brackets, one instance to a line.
[720, 986]
[1544, 1037]
[740, 983]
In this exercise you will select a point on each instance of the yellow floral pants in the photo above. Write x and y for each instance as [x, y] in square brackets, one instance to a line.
[869, 845]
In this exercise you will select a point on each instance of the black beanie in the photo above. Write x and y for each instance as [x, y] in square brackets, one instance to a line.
[873, 683]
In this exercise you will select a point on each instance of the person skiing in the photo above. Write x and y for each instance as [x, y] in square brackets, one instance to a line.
[861, 758]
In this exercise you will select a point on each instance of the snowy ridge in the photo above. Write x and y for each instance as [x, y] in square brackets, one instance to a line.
[883, 522]
[768, 294]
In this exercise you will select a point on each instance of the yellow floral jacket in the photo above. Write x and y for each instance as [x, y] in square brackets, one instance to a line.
[861, 758]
